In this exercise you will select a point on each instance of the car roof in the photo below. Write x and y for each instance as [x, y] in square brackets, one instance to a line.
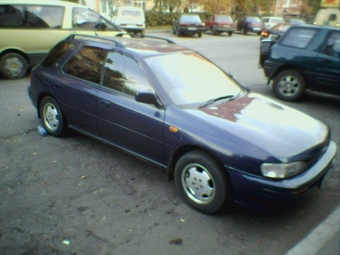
[45, 2]
[143, 47]
[317, 26]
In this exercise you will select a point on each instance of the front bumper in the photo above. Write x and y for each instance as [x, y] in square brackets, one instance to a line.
[256, 190]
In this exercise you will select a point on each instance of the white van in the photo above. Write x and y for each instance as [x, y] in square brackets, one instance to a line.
[269, 22]
[130, 18]
[328, 17]
[30, 28]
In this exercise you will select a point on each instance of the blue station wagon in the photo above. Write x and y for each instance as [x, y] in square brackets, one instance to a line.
[220, 142]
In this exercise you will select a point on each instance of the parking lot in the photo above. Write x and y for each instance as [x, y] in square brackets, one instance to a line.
[77, 196]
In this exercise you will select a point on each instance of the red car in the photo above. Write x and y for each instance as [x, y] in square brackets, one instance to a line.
[220, 23]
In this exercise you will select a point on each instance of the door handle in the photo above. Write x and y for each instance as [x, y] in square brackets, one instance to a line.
[104, 103]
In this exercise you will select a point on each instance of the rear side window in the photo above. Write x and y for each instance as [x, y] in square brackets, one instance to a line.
[44, 16]
[31, 16]
[56, 53]
[86, 64]
[298, 37]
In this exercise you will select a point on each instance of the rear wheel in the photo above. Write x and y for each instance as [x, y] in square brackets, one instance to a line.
[289, 85]
[202, 182]
[52, 117]
[199, 35]
[13, 66]
[230, 33]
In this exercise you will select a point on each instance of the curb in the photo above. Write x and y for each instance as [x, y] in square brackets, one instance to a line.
[324, 239]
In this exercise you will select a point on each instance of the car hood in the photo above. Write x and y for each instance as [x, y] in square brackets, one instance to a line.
[280, 130]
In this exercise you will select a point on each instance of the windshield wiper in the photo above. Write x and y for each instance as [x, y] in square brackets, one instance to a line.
[211, 101]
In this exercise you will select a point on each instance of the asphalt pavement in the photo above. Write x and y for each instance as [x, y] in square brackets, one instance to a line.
[322, 240]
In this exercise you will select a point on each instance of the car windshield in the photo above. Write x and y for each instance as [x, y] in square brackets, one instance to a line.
[189, 78]
[222, 18]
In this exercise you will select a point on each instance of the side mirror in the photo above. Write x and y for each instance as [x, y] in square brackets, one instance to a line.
[147, 97]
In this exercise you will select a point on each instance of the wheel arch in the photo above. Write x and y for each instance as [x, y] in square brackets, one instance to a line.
[15, 51]
[41, 97]
[289, 67]
[183, 150]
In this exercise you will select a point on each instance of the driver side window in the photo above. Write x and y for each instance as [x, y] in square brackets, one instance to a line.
[124, 75]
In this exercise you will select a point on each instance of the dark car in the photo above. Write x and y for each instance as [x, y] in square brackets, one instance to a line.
[275, 32]
[305, 58]
[221, 143]
[249, 25]
[188, 24]
[220, 23]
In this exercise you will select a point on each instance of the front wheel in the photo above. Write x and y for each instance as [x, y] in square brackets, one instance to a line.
[230, 33]
[199, 35]
[289, 85]
[52, 117]
[13, 66]
[202, 182]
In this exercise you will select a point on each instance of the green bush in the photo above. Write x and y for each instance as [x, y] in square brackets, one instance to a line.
[157, 19]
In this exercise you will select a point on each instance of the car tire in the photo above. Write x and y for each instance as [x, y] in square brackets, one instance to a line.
[202, 181]
[178, 33]
[13, 66]
[199, 35]
[243, 31]
[289, 85]
[52, 118]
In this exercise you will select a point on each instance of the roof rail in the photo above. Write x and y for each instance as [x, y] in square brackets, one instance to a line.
[153, 37]
[97, 38]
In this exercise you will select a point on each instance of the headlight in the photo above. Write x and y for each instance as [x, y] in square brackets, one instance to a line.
[282, 170]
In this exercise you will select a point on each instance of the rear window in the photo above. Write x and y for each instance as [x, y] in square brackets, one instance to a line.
[253, 19]
[190, 18]
[87, 64]
[298, 37]
[131, 13]
[223, 18]
[56, 53]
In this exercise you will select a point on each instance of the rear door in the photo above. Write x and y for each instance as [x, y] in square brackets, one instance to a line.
[77, 87]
